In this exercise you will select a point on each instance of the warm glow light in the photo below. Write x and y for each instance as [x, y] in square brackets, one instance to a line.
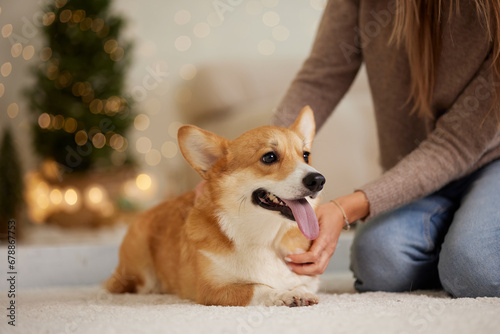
[2, 89]
[99, 140]
[44, 120]
[13, 110]
[42, 201]
[16, 50]
[97, 25]
[70, 196]
[70, 125]
[28, 52]
[95, 195]
[143, 181]
[48, 18]
[143, 145]
[110, 46]
[65, 15]
[141, 122]
[6, 69]
[183, 43]
[6, 30]
[95, 106]
[56, 196]
[58, 122]
[116, 141]
[81, 138]
[78, 16]
[117, 54]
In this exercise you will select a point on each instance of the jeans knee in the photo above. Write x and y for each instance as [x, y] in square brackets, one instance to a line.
[465, 272]
[379, 265]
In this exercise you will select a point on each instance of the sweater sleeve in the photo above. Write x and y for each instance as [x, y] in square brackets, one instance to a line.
[329, 70]
[461, 140]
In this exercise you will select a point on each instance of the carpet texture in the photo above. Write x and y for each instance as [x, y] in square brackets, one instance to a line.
[341, 310]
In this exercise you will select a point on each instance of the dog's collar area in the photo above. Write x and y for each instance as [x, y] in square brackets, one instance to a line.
[269, 201]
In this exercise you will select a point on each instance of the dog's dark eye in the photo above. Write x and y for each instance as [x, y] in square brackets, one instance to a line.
[269, 158]
[306, 157]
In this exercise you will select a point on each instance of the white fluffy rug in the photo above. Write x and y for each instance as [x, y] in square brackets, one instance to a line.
[341, 310]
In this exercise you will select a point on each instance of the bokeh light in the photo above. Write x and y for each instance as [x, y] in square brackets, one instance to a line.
[201, 30]
[169, 149]
[6, 30]
[44, 120]
[182, 17]
[266, 47]
[187, 71]
[2, 89]
[99, 140]
[28, 52]
[153, 157]
[70, 125]
[71, 196]
[281, 33]
[141, 122]
[271, 19]
[81, 137]
[143, 145]
[5, 69]
[56, 196]
[16, 50]
[183, 43]
[13, 110]
[143, 181]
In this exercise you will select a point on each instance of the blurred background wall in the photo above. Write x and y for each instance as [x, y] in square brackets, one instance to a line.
[223, 65]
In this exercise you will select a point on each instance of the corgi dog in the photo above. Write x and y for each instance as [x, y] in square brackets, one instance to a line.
[227, 245]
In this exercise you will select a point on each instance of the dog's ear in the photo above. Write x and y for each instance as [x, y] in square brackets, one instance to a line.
[305, 125]
[201, 148]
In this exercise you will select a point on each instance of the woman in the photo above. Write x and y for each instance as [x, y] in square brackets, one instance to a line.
[433, 218]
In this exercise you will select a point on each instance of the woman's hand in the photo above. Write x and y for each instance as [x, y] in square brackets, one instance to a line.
[331, 222]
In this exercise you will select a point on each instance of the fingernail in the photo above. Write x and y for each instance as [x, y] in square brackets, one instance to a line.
[287, 259]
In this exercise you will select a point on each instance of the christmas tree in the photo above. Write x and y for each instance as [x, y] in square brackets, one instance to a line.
[11, 183]
[81, 112]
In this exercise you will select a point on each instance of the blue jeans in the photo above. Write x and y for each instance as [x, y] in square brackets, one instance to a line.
[449, 239]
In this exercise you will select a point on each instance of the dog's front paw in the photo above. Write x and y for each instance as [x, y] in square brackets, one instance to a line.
[295, 298]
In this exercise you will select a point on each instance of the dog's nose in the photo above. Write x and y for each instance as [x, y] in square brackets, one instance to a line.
[314, 181]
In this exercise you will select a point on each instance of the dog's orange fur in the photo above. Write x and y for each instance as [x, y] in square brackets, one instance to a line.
[165, 250]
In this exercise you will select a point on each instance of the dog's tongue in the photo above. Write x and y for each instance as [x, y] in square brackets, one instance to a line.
[305, 217]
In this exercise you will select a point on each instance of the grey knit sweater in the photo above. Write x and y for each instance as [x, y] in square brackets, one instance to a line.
[418, 155]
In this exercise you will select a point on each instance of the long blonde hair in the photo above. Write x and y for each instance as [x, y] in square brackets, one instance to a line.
[417, 25]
